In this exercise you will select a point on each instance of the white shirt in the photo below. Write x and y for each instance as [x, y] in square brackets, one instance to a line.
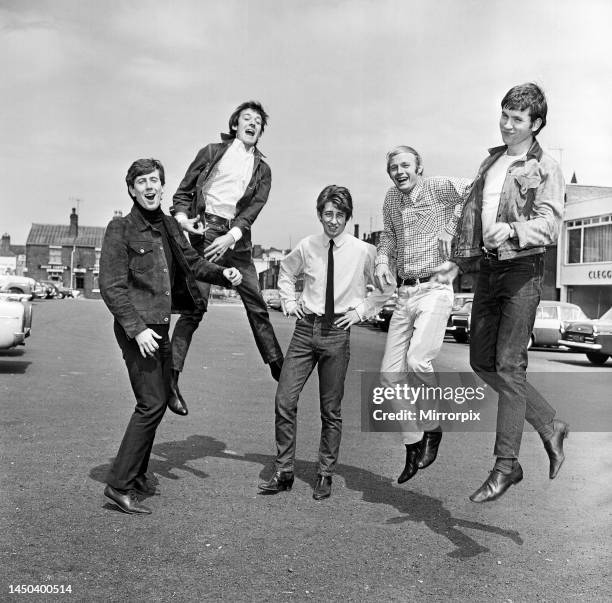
[353, 271]
[491, 192]
[228, 182]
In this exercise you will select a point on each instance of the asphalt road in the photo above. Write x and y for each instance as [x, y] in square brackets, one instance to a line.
[66, 400]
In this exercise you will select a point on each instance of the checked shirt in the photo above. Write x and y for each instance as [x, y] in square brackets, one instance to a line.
[413, 223]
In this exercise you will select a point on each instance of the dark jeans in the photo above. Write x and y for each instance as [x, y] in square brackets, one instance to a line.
[150, 378]
[503, 313]
[327, 347]
[249, 292]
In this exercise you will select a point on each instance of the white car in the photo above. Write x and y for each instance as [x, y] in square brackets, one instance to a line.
[15, 321]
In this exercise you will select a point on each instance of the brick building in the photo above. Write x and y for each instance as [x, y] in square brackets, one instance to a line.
[12, 257]
[66, 253]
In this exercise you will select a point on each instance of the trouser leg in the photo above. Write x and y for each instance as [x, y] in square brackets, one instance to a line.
[299, 364]
[149, 378]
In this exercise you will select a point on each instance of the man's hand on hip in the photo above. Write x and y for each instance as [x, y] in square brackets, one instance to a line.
[218, 247]
[350, 318]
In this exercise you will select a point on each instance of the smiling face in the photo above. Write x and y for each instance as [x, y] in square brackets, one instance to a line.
[248, 128]
[333, 220]
[404, 170]
[147, 190]
[517, 129]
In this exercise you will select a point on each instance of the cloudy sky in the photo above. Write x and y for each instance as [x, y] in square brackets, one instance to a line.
[87, 86]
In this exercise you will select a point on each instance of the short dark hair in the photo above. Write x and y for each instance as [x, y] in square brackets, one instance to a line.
[339, 196]
[144, 166]
[254, 106]
[527, 96]
[402, 148]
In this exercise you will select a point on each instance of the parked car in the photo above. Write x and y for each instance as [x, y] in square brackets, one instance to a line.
[51, 289]
[21, 285]
[272, 298]
[593, 337]
[551, 320]
[15, 320]
[40, 290]
[458, 324]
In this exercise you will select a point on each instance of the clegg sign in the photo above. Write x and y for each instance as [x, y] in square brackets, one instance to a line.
[599, 274]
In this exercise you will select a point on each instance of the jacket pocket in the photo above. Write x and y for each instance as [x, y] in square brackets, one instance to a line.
[141, 256]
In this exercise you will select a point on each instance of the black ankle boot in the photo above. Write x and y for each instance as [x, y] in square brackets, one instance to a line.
[175, 402]
[413, 454]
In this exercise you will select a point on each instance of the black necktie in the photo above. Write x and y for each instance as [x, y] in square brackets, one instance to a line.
[329, 287]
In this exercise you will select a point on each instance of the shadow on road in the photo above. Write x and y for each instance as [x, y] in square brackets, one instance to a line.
[9, 366]
[375, 489]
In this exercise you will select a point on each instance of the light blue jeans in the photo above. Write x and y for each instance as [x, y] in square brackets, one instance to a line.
[416, 334]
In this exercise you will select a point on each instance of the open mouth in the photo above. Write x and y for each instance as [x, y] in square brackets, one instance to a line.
[150, 196]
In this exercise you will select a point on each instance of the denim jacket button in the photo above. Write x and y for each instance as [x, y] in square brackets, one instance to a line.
[165, 319]
[141, 250]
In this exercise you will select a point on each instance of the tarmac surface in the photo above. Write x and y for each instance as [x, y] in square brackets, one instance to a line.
[66, 400]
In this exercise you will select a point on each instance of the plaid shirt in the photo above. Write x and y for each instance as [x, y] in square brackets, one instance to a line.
[413, 223]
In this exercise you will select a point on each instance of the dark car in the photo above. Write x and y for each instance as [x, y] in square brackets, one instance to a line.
[383, 318]
[459, 320]
[593, 337]
[51, 289]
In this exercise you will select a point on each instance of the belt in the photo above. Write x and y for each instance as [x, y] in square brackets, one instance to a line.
[313, 317]
[411, 282]
[489, 254]
[217, 220]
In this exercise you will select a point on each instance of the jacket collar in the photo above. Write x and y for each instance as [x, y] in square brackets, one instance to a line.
[141, 223]
[534, 152]
[227, 140]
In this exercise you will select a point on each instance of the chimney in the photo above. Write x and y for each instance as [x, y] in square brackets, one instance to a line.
[117, 214]
[356, 231]
[74, 224]
[5, 245]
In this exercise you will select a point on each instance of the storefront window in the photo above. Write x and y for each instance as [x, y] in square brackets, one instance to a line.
[598, 243]
[589, 240]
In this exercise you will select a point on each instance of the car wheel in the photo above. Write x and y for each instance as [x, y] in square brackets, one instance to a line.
[461, 337]
[597, 358]
[27, 318]
[60, 296]
[15, 290]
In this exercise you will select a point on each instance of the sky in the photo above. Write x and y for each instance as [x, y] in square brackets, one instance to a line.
[88, 86]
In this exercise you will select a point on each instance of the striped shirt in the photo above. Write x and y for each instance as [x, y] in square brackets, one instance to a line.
[414, 221]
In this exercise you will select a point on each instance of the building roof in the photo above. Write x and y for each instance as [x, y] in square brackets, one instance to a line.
[58, 234]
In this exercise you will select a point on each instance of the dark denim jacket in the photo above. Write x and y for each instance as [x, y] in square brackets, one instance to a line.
[531, 200]
[134, 276]
[189, 199]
